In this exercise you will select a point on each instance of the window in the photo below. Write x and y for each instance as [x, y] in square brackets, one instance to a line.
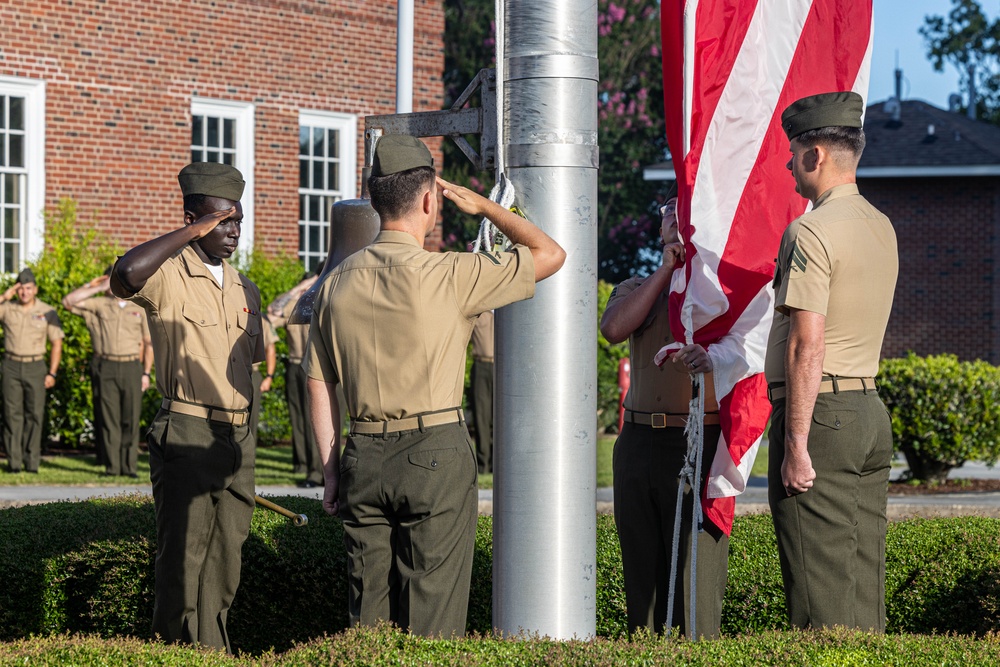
[224, 132]
[22, 171]
[327, 174]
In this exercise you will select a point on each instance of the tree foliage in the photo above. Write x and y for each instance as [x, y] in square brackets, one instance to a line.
[967, 39]
[630, 134]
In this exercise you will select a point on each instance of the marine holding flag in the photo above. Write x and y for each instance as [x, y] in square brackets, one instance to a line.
[831, 437]
[650, 452]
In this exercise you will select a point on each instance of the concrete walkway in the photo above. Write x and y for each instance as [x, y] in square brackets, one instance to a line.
[752, 501]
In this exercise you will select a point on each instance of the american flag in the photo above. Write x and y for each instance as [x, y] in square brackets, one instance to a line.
[730, 67]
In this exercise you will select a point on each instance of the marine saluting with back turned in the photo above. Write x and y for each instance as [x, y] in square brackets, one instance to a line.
[392, 323]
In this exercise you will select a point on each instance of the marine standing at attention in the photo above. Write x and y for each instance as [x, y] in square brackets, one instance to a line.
[204, 319]
[392, 323]
[830, 437]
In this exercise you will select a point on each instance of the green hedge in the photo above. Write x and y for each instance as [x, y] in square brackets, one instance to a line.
[387, 647]
[87, 567]
[608, 356]
[944, 411]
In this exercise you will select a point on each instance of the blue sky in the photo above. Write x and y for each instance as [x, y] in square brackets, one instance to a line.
[896, 25]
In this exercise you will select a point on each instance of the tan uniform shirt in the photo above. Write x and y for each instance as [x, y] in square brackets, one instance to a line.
[392, 322]
[25, 330]
[205, 337]
[117, 328]
[298, 334]
[838, 260]
[482, 337]
[270, 338]
[655, 388]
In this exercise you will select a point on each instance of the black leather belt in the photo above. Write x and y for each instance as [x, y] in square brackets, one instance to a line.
[666, 419]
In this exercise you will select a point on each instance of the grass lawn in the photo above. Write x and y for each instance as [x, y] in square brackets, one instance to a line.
[274, 468]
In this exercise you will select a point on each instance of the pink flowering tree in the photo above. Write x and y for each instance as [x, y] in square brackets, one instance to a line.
[630, 133]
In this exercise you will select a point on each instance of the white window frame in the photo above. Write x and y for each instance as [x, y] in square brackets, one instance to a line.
[33, 225]
[347, 126]
[243, 114]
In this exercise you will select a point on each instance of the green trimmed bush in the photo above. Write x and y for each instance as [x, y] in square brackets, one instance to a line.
[944, 412]
[385, 646]
[608, 356]
[88, 567]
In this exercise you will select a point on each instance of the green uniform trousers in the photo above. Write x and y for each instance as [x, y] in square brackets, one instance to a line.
[256, 377]
[482, 412]
[100, 439]
[831, 539]
[409, 504]
[305, 454]
[23, 412]
[646, 466]
[203, 491]
[120, 395]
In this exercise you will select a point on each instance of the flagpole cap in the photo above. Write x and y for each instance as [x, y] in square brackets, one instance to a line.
[841, 109]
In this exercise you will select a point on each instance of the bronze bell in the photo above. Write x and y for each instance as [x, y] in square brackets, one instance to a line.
[353, 225]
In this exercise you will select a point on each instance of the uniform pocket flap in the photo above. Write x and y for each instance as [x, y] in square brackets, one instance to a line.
[835, 419]
[200, 315]
[432, 459]
[348, 462]
[248, 323]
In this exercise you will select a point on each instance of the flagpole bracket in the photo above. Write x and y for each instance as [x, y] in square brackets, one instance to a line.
[458, 122]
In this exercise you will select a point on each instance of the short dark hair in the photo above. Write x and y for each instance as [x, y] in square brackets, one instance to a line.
[195, 203]
[394, 195]
[851, 139]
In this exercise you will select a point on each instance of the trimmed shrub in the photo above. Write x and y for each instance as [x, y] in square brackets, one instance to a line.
[373, 647]
[944, 411]
[608, 356]
[88, 567]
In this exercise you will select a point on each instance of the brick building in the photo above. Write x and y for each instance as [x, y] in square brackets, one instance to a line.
[936, 174]
[104, 101]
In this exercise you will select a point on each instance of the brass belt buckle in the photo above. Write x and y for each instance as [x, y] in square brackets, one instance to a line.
[658, 420]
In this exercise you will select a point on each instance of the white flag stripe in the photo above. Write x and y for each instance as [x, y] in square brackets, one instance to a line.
[734, 137]
[731, 479]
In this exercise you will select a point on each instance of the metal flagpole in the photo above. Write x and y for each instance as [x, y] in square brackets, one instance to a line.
[404, 56]
[544, 562]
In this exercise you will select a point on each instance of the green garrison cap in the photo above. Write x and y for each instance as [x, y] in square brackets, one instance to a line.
[825, 110]
[26, 277]
[400, 152]
[211, 179]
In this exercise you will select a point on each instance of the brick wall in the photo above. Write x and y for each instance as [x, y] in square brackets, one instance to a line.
[121, 74]
[947, 230]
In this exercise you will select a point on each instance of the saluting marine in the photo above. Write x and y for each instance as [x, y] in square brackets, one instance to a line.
[26, 377]
[392, 323]
[120, 367]
[205, 323]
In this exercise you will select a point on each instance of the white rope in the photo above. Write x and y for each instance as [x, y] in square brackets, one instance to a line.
[503, 191]
[690, 475]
